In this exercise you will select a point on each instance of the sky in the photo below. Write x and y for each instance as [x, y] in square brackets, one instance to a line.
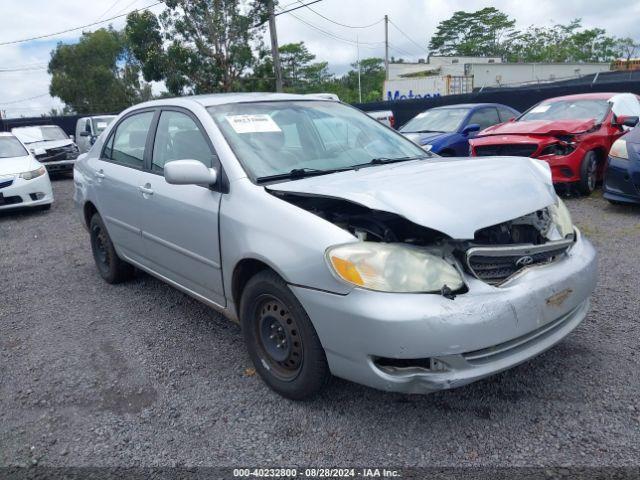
[25, 92]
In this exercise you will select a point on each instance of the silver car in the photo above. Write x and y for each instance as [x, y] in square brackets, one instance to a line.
[340, 246]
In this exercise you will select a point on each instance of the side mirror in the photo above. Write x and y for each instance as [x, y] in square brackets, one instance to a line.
[471, 128]
[189, 172]
[72, 137]
[627, 121]
[84, 133]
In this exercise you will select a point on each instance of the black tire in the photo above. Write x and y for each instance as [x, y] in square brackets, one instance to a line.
[282, 343]
[110, 267]
[588, 173]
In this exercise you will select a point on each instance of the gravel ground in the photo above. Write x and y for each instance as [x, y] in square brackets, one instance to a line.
[139, 374]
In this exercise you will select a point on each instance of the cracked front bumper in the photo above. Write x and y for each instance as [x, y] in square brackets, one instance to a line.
[479, 333]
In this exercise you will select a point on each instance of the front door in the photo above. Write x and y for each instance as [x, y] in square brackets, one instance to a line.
[181, 221]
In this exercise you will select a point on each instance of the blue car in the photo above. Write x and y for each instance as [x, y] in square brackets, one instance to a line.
[622, 172]
[446, 130]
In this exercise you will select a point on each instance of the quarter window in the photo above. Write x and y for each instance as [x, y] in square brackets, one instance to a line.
[179, 138]
[127, 145]
[485, 117]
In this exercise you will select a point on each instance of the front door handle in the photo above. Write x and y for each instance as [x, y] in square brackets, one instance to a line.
[100, 174]
[145, 190]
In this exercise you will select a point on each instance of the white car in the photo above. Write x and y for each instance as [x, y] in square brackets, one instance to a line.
[50, 145]
[24, 182]
[385, 117]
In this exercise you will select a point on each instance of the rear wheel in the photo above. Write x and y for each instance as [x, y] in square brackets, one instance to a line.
[111, 268]
[280, 338]
[588, 173]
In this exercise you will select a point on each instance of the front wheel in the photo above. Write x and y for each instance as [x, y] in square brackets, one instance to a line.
[280, 338]
[588, 173]
[111, 268]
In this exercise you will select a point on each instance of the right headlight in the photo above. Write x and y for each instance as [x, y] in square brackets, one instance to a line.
[34, 173]
[561, 218]
[619, 149]
[387, 267]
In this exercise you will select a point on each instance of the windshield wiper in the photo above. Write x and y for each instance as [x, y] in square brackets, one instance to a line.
[385, 160]
[298, 173]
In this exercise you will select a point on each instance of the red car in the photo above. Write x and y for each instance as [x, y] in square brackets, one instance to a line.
[572, 133]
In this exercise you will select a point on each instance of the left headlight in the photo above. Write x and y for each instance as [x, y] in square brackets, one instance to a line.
[388, 267]
[619, 149]
[561, 218]
[33, 173]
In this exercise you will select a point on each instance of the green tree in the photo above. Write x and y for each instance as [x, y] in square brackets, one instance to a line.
[96, 74]
[197, 46]
[480, 33]
[563, 43]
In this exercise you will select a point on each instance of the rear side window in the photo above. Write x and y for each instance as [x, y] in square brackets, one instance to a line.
[127, 145]
[178, 137]
[485, 117]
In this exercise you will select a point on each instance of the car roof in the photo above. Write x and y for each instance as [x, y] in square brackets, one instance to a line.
[473, 105]
[6, 134]
[34, 126]
[212, 99]
[585, 96]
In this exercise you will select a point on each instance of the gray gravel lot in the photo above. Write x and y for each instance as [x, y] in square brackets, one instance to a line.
[140, 374]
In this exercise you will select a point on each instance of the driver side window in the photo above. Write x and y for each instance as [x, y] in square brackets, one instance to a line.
[178, 137]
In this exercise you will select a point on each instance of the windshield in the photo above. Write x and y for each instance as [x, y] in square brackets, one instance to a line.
[273, 138]
[436, 120]
[11, 147]
[100, 124]
[39, 134]
[568, 110]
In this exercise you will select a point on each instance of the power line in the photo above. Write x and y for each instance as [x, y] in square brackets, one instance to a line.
[298, 7]
[109, 9]
[407, 36]
[371, 45]
[341, 24]
[13, 42]
[13, 102]
[400, 50]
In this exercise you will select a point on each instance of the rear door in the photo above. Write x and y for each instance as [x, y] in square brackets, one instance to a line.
[118, 175]
[181, 221]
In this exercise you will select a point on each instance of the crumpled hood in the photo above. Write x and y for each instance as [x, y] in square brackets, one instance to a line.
[15, 165]
[539, 127]
[455, 196]
[46, 144]
[425, 138]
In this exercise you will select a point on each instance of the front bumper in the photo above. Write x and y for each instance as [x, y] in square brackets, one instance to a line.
[479, 333]
[25, 193]
[622, 180]
[60, 166]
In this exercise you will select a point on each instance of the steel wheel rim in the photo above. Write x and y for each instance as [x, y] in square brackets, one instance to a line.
[591, 174]
[100, 250]
[278, 337]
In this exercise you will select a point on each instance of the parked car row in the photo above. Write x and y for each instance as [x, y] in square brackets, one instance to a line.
[573, 134]
[29, 153]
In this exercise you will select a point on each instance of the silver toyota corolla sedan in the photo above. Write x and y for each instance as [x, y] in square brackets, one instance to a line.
[340, 246]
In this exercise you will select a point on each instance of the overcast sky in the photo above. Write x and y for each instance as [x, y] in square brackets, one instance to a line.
[416, 18]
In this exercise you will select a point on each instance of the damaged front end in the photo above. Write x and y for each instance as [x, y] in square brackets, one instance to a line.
[395, 254]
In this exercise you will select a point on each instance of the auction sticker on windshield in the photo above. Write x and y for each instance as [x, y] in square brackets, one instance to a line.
[261, 123]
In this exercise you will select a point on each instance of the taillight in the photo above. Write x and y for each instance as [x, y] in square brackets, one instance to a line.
[392, 121]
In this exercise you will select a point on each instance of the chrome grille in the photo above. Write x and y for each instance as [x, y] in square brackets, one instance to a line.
[496, 264]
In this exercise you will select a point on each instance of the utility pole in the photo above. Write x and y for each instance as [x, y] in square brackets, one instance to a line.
[386, 46]
[274, 46]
